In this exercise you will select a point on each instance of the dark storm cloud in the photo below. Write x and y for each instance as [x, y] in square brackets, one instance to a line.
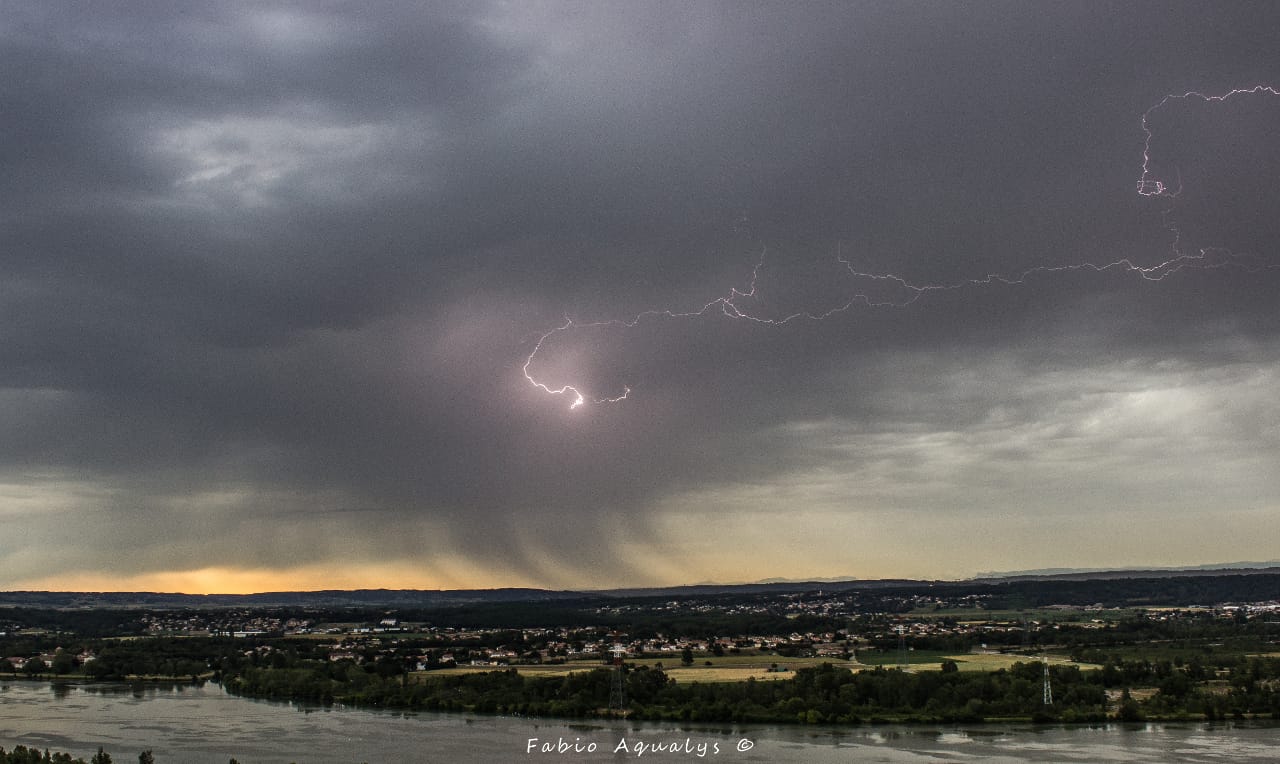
[271, 270]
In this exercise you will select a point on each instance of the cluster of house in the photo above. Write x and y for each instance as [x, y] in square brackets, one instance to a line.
[237, 623]
[818, 603]
[43, 661]
[558, 646]
[542, 645]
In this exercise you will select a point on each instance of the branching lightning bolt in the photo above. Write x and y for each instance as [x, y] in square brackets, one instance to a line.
[1150, 187]
[729, 304]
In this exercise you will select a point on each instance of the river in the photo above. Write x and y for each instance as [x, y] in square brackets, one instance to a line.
[206, 725]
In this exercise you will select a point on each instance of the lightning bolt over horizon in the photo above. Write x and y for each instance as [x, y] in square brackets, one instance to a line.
[729, 304]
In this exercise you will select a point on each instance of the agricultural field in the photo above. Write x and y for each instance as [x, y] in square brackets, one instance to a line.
[561, 669]
[729, 668]
[766, 668]
[995, 661]
[926, 660]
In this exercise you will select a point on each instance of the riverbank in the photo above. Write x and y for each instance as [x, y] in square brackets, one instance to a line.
[824, 694]
[206, 725]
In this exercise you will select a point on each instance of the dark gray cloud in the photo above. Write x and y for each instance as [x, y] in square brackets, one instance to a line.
[269, 274]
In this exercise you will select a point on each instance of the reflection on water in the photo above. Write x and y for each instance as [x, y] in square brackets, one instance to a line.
[202, 724]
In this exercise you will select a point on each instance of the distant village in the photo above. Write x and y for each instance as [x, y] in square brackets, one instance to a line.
[918, 619]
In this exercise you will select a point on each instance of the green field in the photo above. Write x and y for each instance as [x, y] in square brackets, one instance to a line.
[739, 668]
[1186, 650]
[891, 658]
[929, 660]
[729, 668]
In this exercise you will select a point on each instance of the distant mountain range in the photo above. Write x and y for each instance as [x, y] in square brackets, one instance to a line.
[405, 598]
[427, 598]
[1153, 572]
[419, 598]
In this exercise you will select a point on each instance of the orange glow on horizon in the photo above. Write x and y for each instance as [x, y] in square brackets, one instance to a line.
[225, 580]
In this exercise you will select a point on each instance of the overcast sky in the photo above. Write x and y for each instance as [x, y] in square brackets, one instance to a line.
[273, 276]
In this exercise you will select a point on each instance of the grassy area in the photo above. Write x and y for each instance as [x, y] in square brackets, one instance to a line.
[726, 674]
[563, 669]
[729, 668]
[679, 673]
[757, 660]
[740, 668]
[1185, 650]
[891, 658]
[996, 661]
[929, 660]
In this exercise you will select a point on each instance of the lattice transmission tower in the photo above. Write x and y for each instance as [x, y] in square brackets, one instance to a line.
[618, 682]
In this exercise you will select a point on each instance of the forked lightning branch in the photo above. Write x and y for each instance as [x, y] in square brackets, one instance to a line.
[736, 303]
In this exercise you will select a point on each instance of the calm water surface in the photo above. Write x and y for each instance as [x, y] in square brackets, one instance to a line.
[205, 725]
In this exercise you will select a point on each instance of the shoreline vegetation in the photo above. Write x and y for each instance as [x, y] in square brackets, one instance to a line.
[23, 755]
[822, 694]
[1237, 688]
[819, 693]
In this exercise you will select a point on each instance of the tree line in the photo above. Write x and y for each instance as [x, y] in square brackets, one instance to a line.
[822, 694]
